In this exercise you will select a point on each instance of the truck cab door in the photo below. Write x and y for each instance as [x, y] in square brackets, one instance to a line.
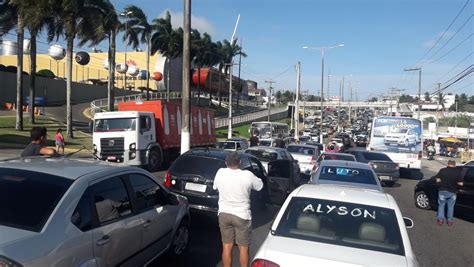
[147, 131]
[279, 180]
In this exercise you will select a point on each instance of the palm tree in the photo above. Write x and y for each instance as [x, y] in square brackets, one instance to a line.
[230, 51]
[441, 100]
[75, 18]
[220, 58]
[197, 54]
[11, 16]
[139, 31]
[167, 41]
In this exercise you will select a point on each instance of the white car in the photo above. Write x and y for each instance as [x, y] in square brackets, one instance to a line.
[268, 154]
[330, 225]
[305, 155]
[401, 137]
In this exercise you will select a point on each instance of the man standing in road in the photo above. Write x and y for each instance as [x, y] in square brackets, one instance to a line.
[279, 141]
[254, 140]
[235, 220]
[448, 179]
[36, 147]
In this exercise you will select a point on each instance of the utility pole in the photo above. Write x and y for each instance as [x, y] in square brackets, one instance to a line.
[456, 121]
[185, 136]
[304, 96]
[419, 88]
[329, 81]
[270, 97]
[297, 97]
[350, 100]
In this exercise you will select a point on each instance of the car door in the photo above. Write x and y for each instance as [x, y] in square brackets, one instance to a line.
[465, 196]
[117, 232]
[279, 180]
[159, 217]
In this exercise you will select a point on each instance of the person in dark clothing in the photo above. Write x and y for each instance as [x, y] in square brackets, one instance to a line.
[36, 147]
[254, 140]
[448, 179]
[279, 141]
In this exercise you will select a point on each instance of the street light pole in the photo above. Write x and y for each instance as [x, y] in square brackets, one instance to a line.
[297, 97]
[231, 69]
[270, 97]
[419, 87]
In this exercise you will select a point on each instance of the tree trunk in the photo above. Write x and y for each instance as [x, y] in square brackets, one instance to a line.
[19, 76]
[148, 68]
[32, 77]
[210, 87]
[199, 85]
[69, 52]
[111, 81]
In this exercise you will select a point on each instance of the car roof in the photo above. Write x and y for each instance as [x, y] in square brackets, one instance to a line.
[342, 154]
[274, 149]
[333, 192]
[345, 163]
[212, 153]
[63, 167]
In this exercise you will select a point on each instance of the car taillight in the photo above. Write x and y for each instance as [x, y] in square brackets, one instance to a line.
[263, 263]
[372, 165]
[168, 179]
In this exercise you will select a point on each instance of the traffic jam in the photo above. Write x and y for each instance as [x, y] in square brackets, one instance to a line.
[332, 208]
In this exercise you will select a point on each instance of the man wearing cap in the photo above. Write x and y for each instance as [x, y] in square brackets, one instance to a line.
[448, 179]
[235, 221]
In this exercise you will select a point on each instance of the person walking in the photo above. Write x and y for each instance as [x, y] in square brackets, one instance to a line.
[235, 220]
[448, 179]
[36, 147]
[279, 141]
[254, 140]
[59, 140]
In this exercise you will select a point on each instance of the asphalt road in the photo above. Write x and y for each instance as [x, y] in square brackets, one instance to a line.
[433, 245]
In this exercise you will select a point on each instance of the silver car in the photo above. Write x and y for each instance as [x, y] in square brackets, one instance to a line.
[61, 212]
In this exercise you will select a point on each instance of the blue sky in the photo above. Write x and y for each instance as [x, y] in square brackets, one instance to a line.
[381, 38]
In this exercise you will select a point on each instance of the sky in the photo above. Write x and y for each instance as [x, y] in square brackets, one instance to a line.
[380, 37]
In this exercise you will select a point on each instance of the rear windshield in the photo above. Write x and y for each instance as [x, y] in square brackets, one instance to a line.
[265, 142]
[227, 145]
[342, 224]
[351, 175]
[376, 156]
[335, 157]
[263, 155]
[28, 198]
[197, 165]
[301, 150]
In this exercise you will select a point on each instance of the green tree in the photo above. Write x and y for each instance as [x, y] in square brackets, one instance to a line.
[229, 52]
[406, 99]
[373, 99]
[441, 99]
[139, 30]
[278, 96]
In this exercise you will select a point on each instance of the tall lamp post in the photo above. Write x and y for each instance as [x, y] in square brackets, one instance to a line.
[229, 129]
[322, 49]
[419, 88]
[125, 14]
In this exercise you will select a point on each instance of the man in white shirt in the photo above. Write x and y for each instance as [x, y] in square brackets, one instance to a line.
[235, 220]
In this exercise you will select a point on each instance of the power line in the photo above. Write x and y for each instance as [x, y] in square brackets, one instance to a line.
[457, 65]
[452, 49]
[444, 33]
[458, 77]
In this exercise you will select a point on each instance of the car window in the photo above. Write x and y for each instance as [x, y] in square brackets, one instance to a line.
[263, 155]
[111, 200]
[343, 224]
[197, 165]
[82, 215]
[279, 168]
[256, 167]
[376, 156]
[28, 198]
[239, 147]
[148, 194]
[283, 155]
[470, 163]
[344, 174]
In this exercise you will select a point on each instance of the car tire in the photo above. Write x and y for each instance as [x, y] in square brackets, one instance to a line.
[180, 243]
[422, 200]
[154, 161]
[389, 183]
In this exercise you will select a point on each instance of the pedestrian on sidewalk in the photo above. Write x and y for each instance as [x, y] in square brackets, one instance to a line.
[36, 147]
[448, 179]
[59, 140]
[235, 220]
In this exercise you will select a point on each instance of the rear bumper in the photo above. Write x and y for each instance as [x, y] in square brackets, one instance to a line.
[208, 203]
[388, 176]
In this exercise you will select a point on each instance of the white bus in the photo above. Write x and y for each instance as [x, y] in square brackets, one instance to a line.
[267, 129]
[400, 138]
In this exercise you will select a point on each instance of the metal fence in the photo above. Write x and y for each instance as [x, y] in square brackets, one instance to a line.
[276, 114]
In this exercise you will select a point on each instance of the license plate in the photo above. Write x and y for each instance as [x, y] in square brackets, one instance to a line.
[195, 187]
[384, 177]
[111, 158]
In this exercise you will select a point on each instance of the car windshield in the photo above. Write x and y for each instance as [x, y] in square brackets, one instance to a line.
[263, 155]
[335, 156]
[115, 125]
[399, 130]
[301, 150]
[346, 174]
[376, 156]
[342, 224]
[28, 198]
[227, 145]
[197, 165]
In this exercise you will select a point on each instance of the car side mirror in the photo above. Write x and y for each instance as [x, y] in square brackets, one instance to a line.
[408, 222]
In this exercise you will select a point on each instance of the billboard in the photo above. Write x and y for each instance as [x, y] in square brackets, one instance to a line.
[396, 135]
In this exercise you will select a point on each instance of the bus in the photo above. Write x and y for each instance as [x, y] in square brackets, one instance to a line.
[268, 129]
[400, 138]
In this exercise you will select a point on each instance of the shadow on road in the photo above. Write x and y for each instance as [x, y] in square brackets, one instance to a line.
[411, 174]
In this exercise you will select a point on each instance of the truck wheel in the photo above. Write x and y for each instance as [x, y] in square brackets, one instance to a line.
[154, 161]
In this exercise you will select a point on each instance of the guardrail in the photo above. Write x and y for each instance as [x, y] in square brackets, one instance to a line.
[276, 114]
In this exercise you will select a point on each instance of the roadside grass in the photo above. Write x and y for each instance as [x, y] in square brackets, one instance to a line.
[10, 138]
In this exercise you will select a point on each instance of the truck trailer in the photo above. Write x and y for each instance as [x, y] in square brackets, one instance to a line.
[148, 133]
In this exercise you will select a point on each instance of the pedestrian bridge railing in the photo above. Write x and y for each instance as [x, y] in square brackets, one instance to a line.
[276, 114]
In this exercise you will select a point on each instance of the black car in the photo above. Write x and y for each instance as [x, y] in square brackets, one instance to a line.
[426, 193]
[387, 170]
[361, 141]
[192, 175]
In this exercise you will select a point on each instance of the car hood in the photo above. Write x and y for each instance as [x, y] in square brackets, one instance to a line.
[10, 234]
[295, 252]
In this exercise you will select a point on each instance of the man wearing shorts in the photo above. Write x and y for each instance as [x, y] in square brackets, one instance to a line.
[235, 220]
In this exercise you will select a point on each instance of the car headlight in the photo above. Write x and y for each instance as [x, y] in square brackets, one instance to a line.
[6, 262]
[133, 146]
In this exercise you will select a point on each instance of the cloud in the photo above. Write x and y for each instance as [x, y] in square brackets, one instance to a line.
[199, 23]
[429, 43]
